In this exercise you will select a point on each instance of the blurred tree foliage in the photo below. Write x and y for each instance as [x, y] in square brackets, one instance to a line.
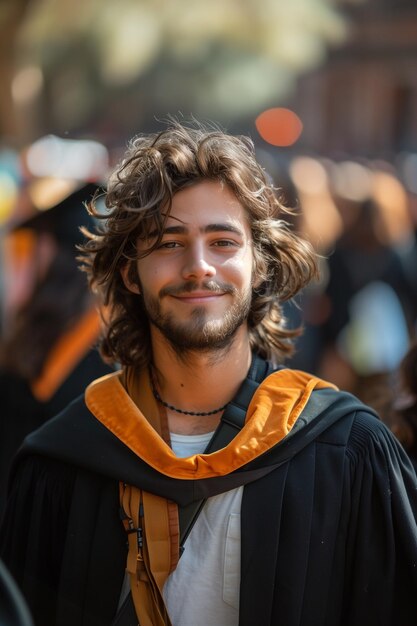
[110, 67]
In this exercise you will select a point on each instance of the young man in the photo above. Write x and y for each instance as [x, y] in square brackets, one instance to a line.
[306, 515]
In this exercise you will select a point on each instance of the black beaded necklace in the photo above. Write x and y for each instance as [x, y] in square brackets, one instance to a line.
[174, 408]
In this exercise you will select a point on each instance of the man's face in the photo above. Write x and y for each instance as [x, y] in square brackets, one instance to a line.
[197, 285]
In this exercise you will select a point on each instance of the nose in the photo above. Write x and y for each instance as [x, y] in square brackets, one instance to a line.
[197, 266]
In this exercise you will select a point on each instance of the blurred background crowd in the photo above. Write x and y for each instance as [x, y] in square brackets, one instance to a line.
[327, 90]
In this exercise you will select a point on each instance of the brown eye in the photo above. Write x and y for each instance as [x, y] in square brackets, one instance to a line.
[168, 245]
[225, 243]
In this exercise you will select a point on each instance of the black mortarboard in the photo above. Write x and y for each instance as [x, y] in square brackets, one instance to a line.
[63, 220]
[62, 176]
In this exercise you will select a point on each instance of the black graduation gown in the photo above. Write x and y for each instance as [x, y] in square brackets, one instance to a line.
[21, 412]
[329, 534]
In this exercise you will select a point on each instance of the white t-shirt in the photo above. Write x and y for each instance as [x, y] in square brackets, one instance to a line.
[204, 588]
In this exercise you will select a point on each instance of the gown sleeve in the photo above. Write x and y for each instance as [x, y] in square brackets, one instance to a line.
[381, 564]
[32, 538]
[63, 542]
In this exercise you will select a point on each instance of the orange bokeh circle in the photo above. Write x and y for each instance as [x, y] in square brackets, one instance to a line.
[279, 126]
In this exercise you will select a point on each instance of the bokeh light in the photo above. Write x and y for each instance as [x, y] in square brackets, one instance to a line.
[279, 126]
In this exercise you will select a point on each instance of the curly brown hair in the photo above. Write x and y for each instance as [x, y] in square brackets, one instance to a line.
[138, 200]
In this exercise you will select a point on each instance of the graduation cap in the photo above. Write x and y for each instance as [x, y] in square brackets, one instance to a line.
[63, 220]
[62, 176]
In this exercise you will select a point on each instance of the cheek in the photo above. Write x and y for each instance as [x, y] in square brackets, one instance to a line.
[154, 275]
[240, 269]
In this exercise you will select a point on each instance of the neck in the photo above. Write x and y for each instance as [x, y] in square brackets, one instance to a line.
[201, 383]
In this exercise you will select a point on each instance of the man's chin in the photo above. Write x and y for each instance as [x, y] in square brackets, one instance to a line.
[201, 329]
[210, 336]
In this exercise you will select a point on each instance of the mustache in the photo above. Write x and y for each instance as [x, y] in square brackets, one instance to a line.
[190, 286]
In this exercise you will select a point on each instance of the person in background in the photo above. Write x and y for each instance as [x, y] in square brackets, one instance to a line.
[47, 351]
[371, 313]
[205, 483]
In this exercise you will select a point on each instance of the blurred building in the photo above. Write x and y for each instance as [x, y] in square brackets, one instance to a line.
[363, 99]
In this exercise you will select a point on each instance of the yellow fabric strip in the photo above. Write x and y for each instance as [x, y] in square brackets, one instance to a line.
[274, 409]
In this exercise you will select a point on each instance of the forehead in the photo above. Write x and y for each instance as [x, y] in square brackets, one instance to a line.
[207, 202]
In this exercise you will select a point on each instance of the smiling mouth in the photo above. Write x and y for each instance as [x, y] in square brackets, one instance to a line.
[196, 297]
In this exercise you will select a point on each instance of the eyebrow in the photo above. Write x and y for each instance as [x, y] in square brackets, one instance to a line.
[210, 228]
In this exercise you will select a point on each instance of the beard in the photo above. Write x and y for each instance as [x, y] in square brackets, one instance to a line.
[199, 332]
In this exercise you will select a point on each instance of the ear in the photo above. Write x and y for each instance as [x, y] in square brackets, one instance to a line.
[126, 277]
